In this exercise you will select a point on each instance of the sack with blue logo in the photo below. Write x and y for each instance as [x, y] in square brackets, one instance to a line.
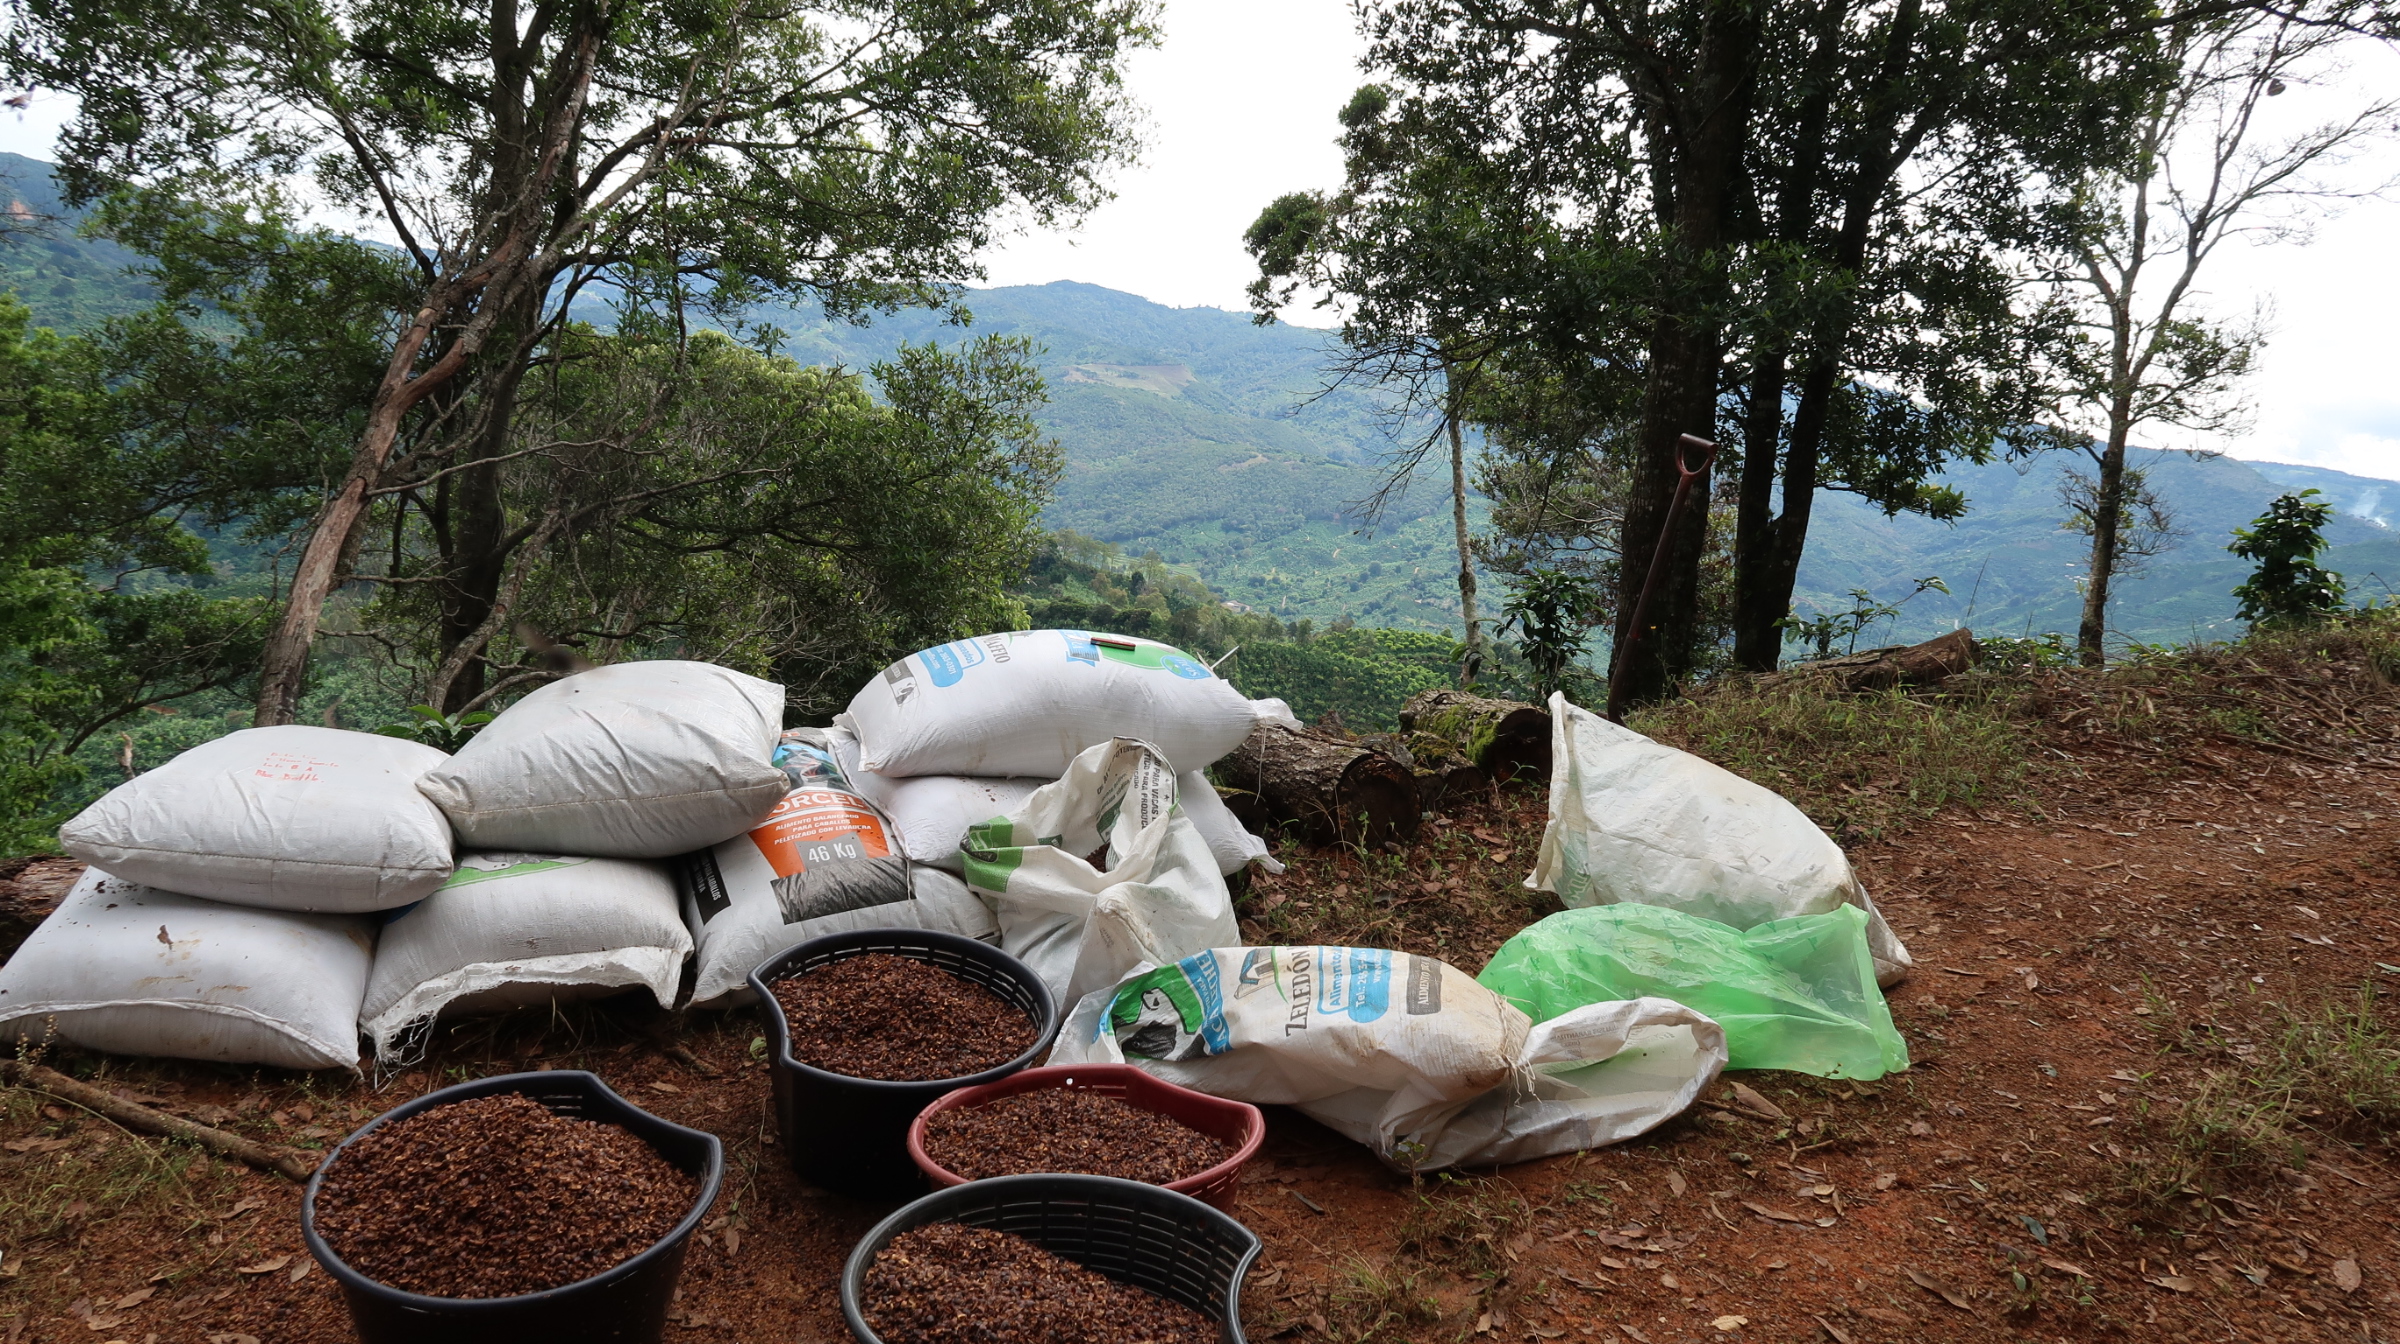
[1403, 1053]
[1026, 702]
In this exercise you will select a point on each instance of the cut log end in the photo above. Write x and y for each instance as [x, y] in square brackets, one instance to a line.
[1321, 787]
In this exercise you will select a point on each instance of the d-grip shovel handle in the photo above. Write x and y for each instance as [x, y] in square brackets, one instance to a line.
[1658, 567]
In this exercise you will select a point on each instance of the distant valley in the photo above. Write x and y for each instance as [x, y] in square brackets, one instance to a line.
[1210, 439]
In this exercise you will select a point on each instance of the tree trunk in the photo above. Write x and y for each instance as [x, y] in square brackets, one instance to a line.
[1505, 739]
[1686, 348]
[1458, 519]
[2109, 506]
[1758, 607]
[283, 665]
[1321, 786]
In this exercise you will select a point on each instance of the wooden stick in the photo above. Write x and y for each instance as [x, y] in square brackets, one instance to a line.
[286, 1162]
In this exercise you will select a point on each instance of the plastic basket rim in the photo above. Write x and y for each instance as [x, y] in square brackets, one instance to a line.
[712, 1176]
[1254, 1132]
[915, 1213]
[1046, 1025]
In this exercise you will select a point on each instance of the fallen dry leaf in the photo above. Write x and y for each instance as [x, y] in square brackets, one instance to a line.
[1942, 1290]
[2345, 1275]
[1777, 1263]
[1832, 1331]
[300, 1271]
[1483, 1323]
[1885, 1180]
[243, 1206]
[2065, 1268]
[36, 1145]
[1920, 1129]
[1747, 1099]
[233, 1339]
[133, 1299]
[669, 1088]
[1635, 1335]
[1887, 1316]
[2176, 1283]
[1777, 1214]
[268, 1266]
[1676, 1183]
[103, 1322]
[1729, 1324]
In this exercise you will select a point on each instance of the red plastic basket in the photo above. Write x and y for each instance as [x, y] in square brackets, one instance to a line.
[1235, 1122]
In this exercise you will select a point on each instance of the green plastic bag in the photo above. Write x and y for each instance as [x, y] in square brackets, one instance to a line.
[1795, 994]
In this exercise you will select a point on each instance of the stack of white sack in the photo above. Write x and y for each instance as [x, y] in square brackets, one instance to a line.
[1402, 1053]
[225, 913]
[569, 803]
[825, 860]
[964, 733]
[1636, 820]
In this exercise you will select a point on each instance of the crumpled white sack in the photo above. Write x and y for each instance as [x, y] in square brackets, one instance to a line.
[1636, 820]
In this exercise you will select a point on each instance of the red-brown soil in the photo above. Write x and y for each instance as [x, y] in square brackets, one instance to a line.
[2080, 965]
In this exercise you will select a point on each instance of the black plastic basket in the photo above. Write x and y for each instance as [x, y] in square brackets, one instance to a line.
[1146, 1235]
[851, 1134]
[626, 1303]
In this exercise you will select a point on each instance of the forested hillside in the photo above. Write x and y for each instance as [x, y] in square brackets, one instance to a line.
[1201, 435]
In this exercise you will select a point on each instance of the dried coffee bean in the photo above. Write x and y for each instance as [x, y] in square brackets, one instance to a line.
[1069, 1129]
[946, 1283]
[898, 1019]
[496, 1196]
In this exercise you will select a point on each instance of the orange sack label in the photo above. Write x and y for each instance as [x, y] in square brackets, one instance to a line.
[811, 827]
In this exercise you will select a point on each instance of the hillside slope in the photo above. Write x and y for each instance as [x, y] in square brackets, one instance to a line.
[1201, 435]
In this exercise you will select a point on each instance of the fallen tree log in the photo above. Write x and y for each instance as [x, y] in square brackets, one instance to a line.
[1503, 739]
[29, 890]
[1320, 786]
[1928, 664]
[287, 1162]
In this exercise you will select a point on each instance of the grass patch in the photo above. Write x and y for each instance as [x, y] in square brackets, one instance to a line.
[2327, 1075]
[1862, 763]
[1461, 1223]
[1372, 1301]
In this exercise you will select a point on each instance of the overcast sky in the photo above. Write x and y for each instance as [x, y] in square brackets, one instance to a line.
[1240, 104]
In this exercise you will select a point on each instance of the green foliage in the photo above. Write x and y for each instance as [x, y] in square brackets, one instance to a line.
[1825, 628]
[705, 500]
[2288, 588]
[1362, 675]
[444, 732]
[1552, 612]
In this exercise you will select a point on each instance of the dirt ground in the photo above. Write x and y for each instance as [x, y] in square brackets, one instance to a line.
[2081, 969]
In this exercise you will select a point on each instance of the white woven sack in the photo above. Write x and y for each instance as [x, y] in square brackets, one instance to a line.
[1026, 702]
[632, 761]
[513, 929]
[289, 818]
[1233, 846]
[1637, 820]
[1403, 1053]
[823, 862]
[930, 814]
[1079, 927]
[132, 970]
